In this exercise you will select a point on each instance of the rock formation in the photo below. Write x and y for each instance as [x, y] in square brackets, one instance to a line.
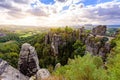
[99, 30]
[47, 38]
[28, 60]
[116, 33]
[82, 34]
[92, 45]
[58, 65]
[95, 46]
[96, 43]
[42, 74]
[7, 72]
[56, 41]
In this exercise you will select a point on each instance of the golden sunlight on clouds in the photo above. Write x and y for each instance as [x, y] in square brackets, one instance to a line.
[61, 13]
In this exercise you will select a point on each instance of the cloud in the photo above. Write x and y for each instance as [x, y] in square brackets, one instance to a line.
[76, 13]
[61, 0]
[7, 5]
[38, 12]
[21, 1]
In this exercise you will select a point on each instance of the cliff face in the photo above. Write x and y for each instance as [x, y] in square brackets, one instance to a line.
[28, 61]
[56, 41]
[7, 72]
[96, 42]
[28, 66]
[99, 30]
[96, 46]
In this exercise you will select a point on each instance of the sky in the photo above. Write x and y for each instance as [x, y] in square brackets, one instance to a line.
[59, 12]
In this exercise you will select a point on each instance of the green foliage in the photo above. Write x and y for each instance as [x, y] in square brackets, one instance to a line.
[11, 58]
[61, 30]
[9, 36]
[83, 68]
[90, 68]
[116, 44]
[68, 29]
[10, 46]
[114, 67]
[111, 31]
[79, 48]
[113, 62]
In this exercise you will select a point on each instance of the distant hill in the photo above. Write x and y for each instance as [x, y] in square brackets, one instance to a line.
[113, 26]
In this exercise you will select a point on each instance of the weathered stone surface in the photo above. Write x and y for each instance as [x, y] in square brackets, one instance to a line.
[28, 60]
[58, 65]
[82, 34]
[7, 72]
[32, 78]
[104, 50]
[117, 33]
[74, 36]
[99, 30]
[47, 38]
[97, 45]
[56, 41]
[82, 30]
[42, 74]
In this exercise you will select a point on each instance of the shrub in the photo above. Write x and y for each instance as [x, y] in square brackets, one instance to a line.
[83, 68]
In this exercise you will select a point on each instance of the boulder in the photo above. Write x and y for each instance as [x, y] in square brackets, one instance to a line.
[58, 65]
[42, 74]
[7, 72]
[28, 63]
[99, 30]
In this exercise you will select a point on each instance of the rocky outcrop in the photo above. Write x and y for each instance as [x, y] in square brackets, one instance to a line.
[58, 65]
[117, 33]
[92, 45]
[104, 50]
[96, 46]
[28, 60]
[82, 30]
[96, 43]
[99, 30]
[95, 40]
[7, 72]
[56, 41]
[42, 74]
[82, 35]
[48, 38]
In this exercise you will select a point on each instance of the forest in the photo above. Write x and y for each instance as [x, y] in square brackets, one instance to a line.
[76, 63]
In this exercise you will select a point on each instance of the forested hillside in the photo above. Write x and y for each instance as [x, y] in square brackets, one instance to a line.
[68, 53]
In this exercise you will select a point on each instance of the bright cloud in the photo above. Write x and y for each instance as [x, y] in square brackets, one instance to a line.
[59, 12]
